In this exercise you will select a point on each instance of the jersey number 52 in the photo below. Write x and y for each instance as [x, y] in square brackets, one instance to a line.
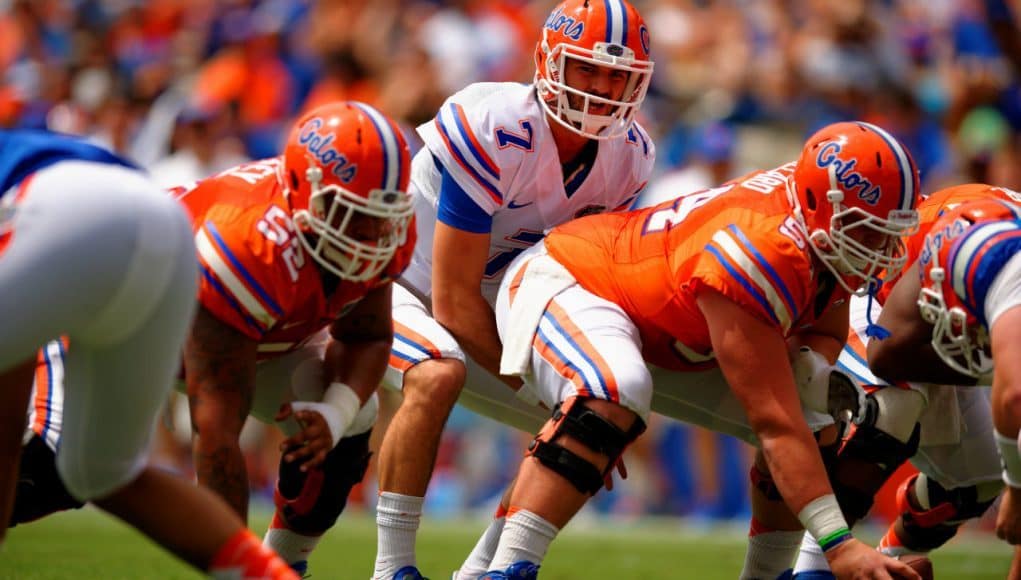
[276, 226]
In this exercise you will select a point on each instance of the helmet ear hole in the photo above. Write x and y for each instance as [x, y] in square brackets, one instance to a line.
[810, 199]
[295, 184]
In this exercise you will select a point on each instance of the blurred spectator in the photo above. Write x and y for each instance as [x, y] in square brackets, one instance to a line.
[695, 159]
[202, 147]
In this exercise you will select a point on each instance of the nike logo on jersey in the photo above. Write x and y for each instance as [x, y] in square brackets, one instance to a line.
[291, 324]
[512, 205]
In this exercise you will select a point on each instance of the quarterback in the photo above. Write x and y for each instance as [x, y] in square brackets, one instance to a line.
[502, 163]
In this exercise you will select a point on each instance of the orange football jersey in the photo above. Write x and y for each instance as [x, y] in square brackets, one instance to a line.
[738, 239]
[933, 207]
[256, 277]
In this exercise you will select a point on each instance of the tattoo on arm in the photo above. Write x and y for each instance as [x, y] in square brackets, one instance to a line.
[219, 367]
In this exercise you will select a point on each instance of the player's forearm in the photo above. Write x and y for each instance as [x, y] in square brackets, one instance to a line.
[796, 467]
[473, 324]
[918, 363]
[220, 466]
[1005, 400]
[1005, 335]
[360, 365]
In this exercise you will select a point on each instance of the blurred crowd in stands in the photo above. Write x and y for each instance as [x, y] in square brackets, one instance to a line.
[190, 87]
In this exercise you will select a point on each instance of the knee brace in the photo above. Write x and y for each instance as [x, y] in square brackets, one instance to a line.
[40, 492]
[311, 502]
[931, 514]
[573, 419]
[866, 461]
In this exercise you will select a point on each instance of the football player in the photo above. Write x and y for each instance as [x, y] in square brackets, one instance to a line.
[292, 248]
[717, 286]
[297, 254]
[91, 249]
[502, 163]
[946, 431]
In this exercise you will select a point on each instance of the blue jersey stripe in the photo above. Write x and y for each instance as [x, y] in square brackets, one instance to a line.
[211, 278]
[746, 284]
[469, 141]
[768, 268]
[463, 161]
[211, 228]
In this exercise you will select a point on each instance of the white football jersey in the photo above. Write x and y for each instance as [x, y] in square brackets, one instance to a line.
[494, 140]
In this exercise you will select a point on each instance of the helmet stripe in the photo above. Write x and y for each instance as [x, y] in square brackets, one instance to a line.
[905, 165]
[616, 22]
[391, 147]
[974, 261]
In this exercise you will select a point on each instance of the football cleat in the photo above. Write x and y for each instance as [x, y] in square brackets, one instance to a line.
[814, 575]
[301, 568]
[522, 570]
[409, 573]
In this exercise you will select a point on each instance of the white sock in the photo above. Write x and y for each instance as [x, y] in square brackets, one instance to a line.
[810, 557]
[482, 554]
[292, 546]
[770, 553]
[525, 536]
[397, 518]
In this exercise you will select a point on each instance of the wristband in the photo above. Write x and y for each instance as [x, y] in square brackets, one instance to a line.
[1011, 459]
[823, 519]
[339, 406]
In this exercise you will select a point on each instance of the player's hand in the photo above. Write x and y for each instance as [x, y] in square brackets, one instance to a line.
[1008, 519]
[858, 561]
[311, 443]
[621, 469]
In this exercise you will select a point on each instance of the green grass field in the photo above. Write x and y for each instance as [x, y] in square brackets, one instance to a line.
[87, 544]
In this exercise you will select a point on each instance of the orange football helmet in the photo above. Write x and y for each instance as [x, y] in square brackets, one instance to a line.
[345, 172]
[605, 33]
[947, 299]
[856, 189]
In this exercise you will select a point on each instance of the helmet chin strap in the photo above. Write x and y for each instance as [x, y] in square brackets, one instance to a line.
[873, 330]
